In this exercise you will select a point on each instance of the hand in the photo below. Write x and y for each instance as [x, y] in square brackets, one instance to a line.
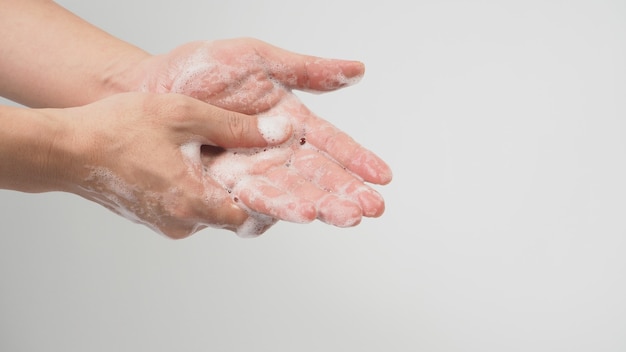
[319, 162]
[139, 155]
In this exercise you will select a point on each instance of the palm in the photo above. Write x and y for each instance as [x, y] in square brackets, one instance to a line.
[303, 178]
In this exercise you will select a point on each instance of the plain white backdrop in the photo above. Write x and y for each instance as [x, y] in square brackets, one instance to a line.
[505, 125]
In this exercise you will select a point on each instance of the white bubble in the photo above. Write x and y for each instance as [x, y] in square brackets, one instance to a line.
[255, 225]
[273, 128]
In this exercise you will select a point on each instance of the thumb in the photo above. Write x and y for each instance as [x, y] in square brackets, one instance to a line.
[229, 129]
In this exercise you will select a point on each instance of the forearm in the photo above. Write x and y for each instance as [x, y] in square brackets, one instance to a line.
[35, 151]
[51, 58]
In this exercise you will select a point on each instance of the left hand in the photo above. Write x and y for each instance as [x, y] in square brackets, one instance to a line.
[253, 77]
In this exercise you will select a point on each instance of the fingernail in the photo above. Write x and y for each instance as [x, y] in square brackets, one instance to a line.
[274, 129]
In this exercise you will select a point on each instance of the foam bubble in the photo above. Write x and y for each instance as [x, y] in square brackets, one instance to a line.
[191, 152]
[274, 128]
[190, 71]
[255, 225]
[104, 177]
[112, 192]
[344, 81]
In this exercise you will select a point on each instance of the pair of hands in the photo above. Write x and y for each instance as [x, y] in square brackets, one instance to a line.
[251, 156]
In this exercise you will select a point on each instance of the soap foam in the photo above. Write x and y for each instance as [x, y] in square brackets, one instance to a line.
[339, 81]
[255, 225]
[273, 128]
[112, 192]
[223, 79]
[191, 154]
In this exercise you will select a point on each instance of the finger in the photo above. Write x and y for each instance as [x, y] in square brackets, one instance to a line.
[229, 129]
[227, 215]
[331, 209]
[332, 177]
[324, 136]
[347, 152]
[231, 215]
[211, 209]
[305, 72]
[260, 196]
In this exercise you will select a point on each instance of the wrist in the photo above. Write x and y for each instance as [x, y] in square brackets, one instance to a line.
[37, 152]
[20, 150]
[125, 74]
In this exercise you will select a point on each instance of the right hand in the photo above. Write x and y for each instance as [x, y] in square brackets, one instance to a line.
[140, 156]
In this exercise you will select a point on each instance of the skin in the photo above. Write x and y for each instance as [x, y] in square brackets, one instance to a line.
[51, 58]
[106, 152]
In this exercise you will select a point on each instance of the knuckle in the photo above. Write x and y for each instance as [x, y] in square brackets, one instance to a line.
[179, 108]
[183, 212]
[170, 106]
[238, 125]
[153, 103]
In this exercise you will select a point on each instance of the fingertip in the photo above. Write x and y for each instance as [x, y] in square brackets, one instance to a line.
[353, 69]
[384, 177]
[368, 166]
[339, 212]
[331, 74]
[351, 73]
[308, 212]
[372, 203]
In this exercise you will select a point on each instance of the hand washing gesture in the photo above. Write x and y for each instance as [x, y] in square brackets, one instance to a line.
[142, 170]
[319, 168]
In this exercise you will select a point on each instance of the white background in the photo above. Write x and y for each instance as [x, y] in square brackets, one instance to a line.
[505, 125]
